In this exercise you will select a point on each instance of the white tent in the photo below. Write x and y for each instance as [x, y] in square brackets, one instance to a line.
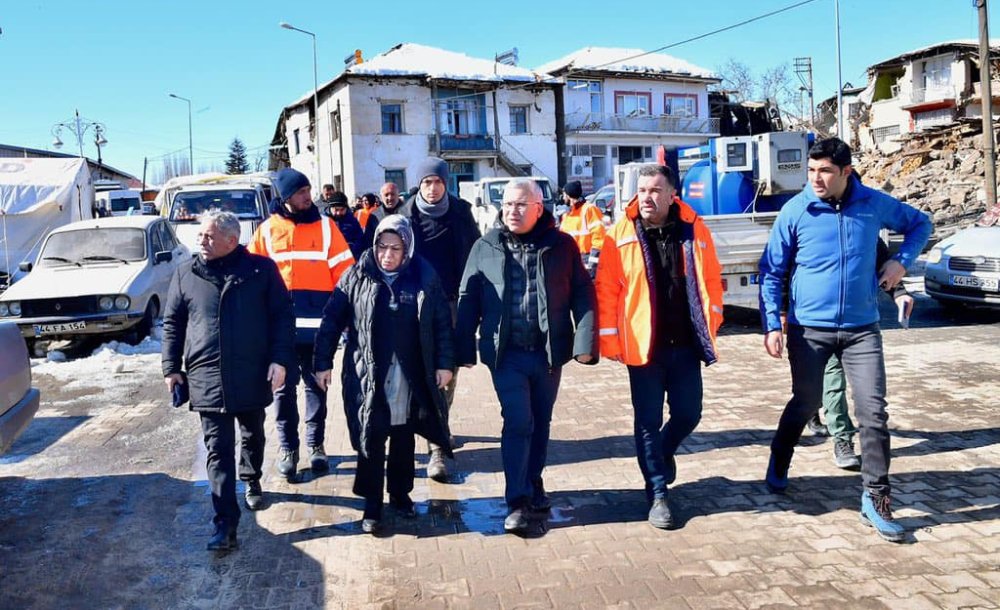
[36, 196]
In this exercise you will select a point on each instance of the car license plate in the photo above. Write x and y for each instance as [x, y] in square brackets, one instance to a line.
[985, 283]
[53, 329]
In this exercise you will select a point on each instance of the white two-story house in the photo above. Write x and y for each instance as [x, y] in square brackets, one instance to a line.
[925, 88]
[620, 104]
[379, 118]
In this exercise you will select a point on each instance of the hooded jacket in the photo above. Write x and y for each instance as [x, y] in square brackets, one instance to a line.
[828, 250]
[565, 297]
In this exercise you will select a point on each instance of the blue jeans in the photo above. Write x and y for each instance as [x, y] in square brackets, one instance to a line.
[860, 353]
[286, 400]
[676, 374]
[527, 389]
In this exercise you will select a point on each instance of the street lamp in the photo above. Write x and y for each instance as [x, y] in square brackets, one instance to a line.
[289, 26]
[190, 139]
[78, 126]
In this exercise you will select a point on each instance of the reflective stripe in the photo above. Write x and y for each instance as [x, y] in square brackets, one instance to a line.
[296, 255]
[343, 256]
[608, 331]
[626, 240]
[578, 233]
[307, 322]
[325, 225]
[593, 259]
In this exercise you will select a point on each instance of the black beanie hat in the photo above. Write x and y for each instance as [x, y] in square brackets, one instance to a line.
[433, 166]
[288, 181]
[574, 189]
[338, 200]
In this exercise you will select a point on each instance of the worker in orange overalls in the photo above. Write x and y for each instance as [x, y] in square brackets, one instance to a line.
[311, 254]
[659, 306]
[584, 223]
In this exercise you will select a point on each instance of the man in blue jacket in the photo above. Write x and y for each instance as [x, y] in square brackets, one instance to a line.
[824, 243]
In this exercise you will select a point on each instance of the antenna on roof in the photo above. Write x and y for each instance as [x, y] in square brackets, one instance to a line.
[508, 57]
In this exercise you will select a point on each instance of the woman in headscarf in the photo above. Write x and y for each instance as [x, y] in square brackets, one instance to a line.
[399, 355]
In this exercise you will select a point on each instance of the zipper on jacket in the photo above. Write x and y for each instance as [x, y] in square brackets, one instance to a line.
[843, 267]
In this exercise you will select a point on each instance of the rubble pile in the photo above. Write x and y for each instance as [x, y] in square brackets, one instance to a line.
[939, 171]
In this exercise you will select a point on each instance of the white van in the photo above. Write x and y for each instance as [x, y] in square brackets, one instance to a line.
[182, 201]
[486, 195]
[119, 202]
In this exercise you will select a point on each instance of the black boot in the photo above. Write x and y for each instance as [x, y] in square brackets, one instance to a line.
[224, 538]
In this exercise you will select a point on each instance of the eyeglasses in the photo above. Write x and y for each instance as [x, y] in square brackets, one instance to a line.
[520, 206]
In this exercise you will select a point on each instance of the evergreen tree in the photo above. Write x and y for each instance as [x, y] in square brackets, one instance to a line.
[237, 162]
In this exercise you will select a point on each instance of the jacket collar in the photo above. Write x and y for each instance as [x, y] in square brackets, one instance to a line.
[685, 212]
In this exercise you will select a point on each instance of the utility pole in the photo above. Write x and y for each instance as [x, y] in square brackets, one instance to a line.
[987, 103]
[840, 78]
[804, 70]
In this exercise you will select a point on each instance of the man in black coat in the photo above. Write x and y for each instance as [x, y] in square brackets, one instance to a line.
[337, 208]
[391, 204]
[523, 289]
[228, 336]
[444, 231]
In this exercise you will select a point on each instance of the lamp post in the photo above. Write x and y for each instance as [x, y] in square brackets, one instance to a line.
[289, 26]
[79, 126]
[190, 139]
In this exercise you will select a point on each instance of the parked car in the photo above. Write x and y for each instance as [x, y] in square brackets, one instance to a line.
[604, 199]
[107, 276]
[965, 268]
[18, 400]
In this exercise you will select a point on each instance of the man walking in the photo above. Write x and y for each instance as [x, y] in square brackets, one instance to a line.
[659, 296]
[525, 290]
[584, 223]
[824, 242]
[339, 210]
[391, 204]
[311, 255]
[444, 231]
[227, 338]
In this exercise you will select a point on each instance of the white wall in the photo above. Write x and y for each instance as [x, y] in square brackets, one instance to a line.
[578, 100]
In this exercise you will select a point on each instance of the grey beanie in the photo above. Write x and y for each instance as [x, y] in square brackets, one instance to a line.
[400, 225]
[433, 166]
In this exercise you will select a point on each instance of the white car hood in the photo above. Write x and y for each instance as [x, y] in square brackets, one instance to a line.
[73, 281]
[974, 241]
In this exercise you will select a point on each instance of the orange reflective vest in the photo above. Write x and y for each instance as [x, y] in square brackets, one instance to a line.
[363, 214]
[624, 308]
[585, 224]
[311, 258]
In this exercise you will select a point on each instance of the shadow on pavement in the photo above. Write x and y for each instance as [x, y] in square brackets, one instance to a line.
[137, 541]
[945, 441]
[40, 434]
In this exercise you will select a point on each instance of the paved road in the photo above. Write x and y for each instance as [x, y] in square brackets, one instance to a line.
[103, 503]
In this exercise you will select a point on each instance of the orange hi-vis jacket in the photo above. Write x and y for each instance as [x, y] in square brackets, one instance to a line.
[585, 224]
[624, 307]
[311, 257]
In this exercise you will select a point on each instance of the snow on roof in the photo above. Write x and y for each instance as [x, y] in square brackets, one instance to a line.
[409, 59]
[612, 59]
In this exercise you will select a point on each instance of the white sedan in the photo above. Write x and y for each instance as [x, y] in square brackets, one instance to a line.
[95, 277]
[965, 268]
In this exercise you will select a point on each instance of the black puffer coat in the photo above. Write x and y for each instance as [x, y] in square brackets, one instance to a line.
[565, 296]
[352, 306]
[225, 337]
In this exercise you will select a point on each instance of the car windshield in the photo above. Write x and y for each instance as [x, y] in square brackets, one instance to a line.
[85, 246]
[189, 205]
[123, 204]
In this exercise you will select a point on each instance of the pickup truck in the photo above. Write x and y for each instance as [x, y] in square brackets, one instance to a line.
[18, 400]
[182, 201]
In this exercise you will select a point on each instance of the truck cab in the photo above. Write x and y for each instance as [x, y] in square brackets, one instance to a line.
[486, 197]
[183, 200]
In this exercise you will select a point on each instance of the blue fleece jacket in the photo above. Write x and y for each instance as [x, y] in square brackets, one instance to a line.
[830, 255]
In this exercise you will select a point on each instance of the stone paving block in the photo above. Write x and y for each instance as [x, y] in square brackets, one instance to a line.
[775, 596]
[906, 587]
[963, 599]
[721, 601]
[955, 581]
[915, 602]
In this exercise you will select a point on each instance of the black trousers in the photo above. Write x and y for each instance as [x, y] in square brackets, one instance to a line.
[219, 431]
[374, 475]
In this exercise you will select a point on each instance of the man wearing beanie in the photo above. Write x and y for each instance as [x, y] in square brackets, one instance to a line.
[337, 208]
[584, 223]
[311, 254]
[444, 231]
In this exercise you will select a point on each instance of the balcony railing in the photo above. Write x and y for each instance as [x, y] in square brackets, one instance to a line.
[476, 142]
[591, 121]
[930, 94]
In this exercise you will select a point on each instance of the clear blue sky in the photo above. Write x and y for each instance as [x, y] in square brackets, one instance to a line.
[116, 61]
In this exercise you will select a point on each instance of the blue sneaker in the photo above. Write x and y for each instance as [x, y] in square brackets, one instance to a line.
[777, 475]
[875, 512]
